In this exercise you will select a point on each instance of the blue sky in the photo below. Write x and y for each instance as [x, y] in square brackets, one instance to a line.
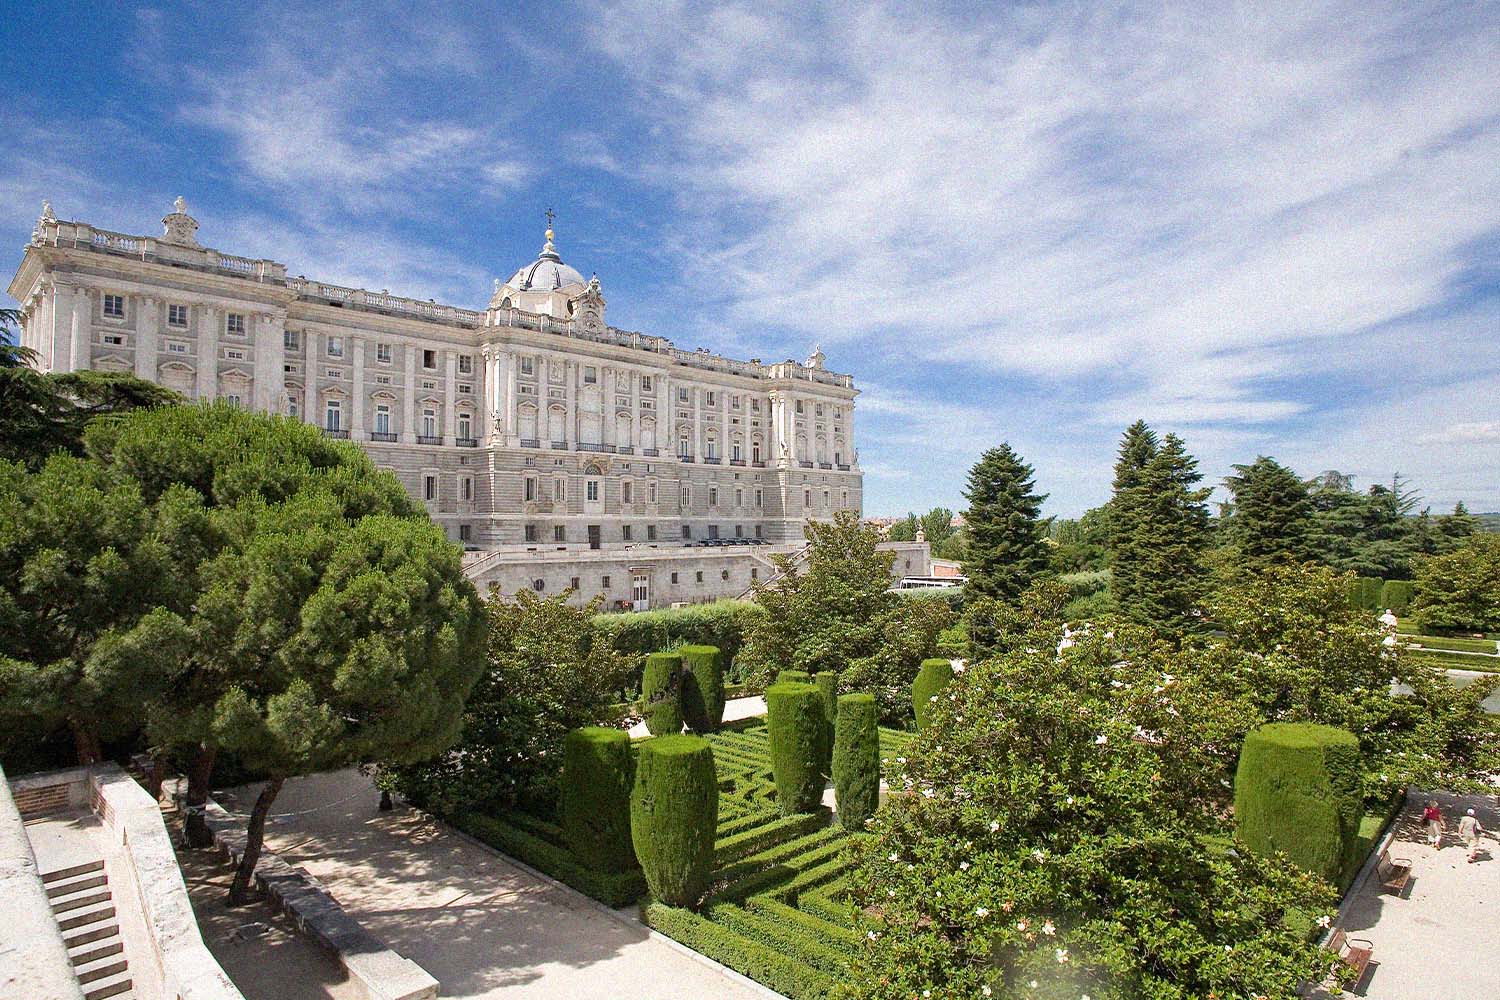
[1271, 233]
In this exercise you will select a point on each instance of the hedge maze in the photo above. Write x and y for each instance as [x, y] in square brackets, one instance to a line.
[776, 911]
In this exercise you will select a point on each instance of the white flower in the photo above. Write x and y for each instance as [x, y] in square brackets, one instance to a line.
[927, 793]
[984, 991]
[1070, 800]
[1325, 921]
[982, 912]
[1062, 954]
[1039, 854]
[994, 825]
[927, 993]
[894, 857]
[1033, 984]
[1048, 929]
[1100, 740]
[963, 866]
[891, 893]
[933, 698]
[1020, 925]
[939, 749]
[871, 935]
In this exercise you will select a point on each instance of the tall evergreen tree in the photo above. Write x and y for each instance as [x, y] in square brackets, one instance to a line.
[1453, 529]
[1272, 514]
[1006, 530]
[1138, 447]
[1171, 535]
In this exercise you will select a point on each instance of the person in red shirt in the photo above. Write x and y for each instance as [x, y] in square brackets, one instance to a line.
[1432, 819]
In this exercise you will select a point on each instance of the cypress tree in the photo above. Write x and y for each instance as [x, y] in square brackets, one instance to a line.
[1006, 531]
[1272, 518]
[1170, 538]
[1138, 447]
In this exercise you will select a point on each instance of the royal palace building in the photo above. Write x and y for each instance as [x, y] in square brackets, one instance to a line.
[561, 451]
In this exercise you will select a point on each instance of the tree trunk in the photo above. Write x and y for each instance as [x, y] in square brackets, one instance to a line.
[86, 742]
[385, 802]
[239, 889]
[195, 831]
[157, 774]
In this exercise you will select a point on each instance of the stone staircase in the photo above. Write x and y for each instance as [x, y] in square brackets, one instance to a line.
[85, 911]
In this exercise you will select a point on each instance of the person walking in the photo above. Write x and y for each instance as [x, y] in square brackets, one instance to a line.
[1432, 819]
[1469, 831]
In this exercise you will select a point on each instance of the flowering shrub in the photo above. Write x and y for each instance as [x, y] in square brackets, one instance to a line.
[1061, 835]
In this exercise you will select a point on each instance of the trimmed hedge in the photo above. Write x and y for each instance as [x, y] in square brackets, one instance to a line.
[828, 686]
[722, 623]
[766, 965]
[856, 760]
[1296, 790]
[1364, 593]
[702, 688]
[1396, 595]
[766, 835]
[933, 676]
[794, 677]
[794, 719]
[661, 694]
[612, 889]
[674, 811]
[594, 801]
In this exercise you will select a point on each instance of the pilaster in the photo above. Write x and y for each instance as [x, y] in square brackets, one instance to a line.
[78, 355]
[450, 398]
[357, 428]
[270, 362]
[208, 352]
[409, 399]
[147, 329]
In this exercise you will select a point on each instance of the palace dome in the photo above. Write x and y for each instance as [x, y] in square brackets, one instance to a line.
[545, 274]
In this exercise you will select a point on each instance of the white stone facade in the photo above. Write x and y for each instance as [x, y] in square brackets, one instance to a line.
[526, 428]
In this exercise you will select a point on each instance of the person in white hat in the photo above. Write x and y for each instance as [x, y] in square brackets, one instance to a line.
[1469, 831]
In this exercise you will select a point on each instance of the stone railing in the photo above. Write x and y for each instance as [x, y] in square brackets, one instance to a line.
[385, 302]
[151, 248]
[33, 959]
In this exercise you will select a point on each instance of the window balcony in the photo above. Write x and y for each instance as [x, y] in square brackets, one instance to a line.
[429, 439]
[530, 443]
[805, 464]
[625, 450]
[757, 464]
[686, 458]
[711, 460]
[335, 432]
[467, 442]
[559, 446]
[651, 452]
[585, 446]
[825, 465]
[737, 461]
[382, 436]
[843, 468]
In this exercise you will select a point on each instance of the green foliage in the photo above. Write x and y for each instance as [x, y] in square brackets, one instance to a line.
[545, 674]
[1297, 791]
[931, 679]
[794, 677]
[1270, 518]
[1370, 533]
[997, 626]
[856, 760]
[540, 845]
[1080, 546]
[767, 964]
[1126, 509]
[828, 686]
[795, 719]
[594, 811]
[674, 811]
[1460, 590]
[1395, 595]
[1043, 840]
[720, 623]
[835, 612]
[661, 693]
[1166, 515]
[1364, 592]
[702, 688]
[1006, 530]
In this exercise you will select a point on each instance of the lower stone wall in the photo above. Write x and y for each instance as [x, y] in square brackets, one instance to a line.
[33, 959]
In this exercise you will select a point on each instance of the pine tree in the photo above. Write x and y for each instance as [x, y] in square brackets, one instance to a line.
[1006, 531]
[1272, 514]
[1170, 538]
[1122, 515]
[1454, 528]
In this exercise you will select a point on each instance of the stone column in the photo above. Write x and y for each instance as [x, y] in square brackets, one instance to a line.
[409, 401]
[491, 416]
[450, 398]
[570, 379]
[79, 335]
[310, 401]
[607, 405]
[270, 361]
[357, 429]
[208, 352]
[147, 328]
[509, 403]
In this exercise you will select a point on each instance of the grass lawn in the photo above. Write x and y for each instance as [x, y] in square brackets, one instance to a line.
[776, 912]
[1488, 646]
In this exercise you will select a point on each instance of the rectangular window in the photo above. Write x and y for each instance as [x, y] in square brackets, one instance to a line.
[739, 497]
[755, 572]
[650, 532]
[465, 427]
[625, 492]
[754, 405]
[233, 399]
[429, 487]
[114, 340]
[528, 366]
[464, 533]
[114, 306]
[625, 532]
[573, 583]
[177, 315]
[674, 577]
[591, 491]
[713, 496]
[559, 490]
[799, 406]
[699, 574]
[292, 409]
[734, 402]
[559, 534]
[645, 383]
[383, 353]
[651, 491]
[466, 488]
[176, 347]
[590, 375]
[233, 355]
[687, 497]
[382, 419]
[531, 533]
[709, 401]
[466, 364]
[429, 360]
[760, 498]
[333, 415]
[335, 347]
[530, 492]
[234, 324]
[687, 531]
[682, 395]
[819, 409]
[429, 423]
[807, 498]
[289, 339]
[759, 530]
[604, 584]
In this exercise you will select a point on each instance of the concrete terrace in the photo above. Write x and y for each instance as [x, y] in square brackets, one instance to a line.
[479, 923]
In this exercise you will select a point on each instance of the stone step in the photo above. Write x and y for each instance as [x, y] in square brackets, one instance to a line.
[49, 878]
[88, 881]
[92, 951]
[110, 986]
[101, 968]
[77, 901]
[91, 933]
[86, 916]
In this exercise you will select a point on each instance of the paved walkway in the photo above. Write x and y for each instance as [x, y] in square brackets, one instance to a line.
[480, 924]
[734, 710]
[1438, 938]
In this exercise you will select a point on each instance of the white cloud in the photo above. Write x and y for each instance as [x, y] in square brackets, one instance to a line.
[1460, 433]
